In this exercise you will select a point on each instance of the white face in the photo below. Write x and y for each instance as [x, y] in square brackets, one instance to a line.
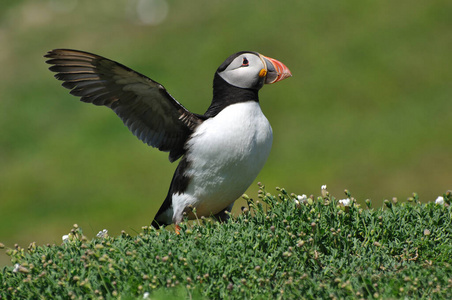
[243, 71]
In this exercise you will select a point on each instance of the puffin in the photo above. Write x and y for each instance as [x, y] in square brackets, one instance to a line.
[220, 152]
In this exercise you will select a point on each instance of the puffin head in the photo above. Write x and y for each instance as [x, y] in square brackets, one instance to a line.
[251, 70]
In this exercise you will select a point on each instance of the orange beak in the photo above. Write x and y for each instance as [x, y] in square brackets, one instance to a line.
[276, 70]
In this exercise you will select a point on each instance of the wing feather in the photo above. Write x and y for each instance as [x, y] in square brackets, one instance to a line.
[144, 105]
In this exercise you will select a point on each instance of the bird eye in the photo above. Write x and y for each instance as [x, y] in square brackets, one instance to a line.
[245, 62]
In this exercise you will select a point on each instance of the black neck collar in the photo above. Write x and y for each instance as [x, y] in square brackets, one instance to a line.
[225, 94]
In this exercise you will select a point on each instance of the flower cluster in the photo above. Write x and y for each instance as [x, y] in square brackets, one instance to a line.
[345, 202]
[439, 200]
[102, 233]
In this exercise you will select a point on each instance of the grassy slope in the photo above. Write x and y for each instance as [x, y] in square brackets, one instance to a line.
[368, 107]
[315, 250]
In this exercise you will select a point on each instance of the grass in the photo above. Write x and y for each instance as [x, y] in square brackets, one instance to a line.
[280, 246]
[368, 106]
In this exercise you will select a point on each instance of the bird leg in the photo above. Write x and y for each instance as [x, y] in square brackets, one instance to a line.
[224, 215]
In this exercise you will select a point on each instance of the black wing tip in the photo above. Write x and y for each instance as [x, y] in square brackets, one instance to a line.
[53, 53]
[67, 52]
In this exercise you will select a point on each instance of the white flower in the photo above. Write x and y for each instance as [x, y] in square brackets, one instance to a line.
[146, 295]
[16, 268]
[102, 234]
[345, 202]
[302, 198]
[65, 238]
[324, 191]
[19, 268]
[439, 200]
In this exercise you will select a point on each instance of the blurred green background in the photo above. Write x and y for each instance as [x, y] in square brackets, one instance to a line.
[368, 107]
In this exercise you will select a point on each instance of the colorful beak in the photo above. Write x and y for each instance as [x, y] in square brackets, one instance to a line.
[276, 70]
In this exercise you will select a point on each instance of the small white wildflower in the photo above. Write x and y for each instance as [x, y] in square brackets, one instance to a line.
[65, 238]
[324, 191]
[345, 202]
[102, 234]
[16, 268]
[302, 198]
[439, 200]
[146, 295]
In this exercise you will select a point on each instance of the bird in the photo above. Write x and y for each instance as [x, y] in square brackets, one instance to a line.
[220, 152]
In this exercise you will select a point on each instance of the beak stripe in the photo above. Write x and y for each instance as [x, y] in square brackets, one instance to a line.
[282, 71]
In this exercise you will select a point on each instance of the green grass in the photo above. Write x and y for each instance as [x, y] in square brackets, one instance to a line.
[276, 248]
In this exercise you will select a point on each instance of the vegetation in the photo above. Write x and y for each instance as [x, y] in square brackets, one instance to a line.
[368, 107]
[284, 246]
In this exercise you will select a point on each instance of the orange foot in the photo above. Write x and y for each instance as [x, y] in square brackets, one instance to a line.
[177, 229]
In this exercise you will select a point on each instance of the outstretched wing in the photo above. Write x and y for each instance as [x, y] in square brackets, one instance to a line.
[144, 105]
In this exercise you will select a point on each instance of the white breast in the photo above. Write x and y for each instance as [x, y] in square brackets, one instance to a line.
[226, 153]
